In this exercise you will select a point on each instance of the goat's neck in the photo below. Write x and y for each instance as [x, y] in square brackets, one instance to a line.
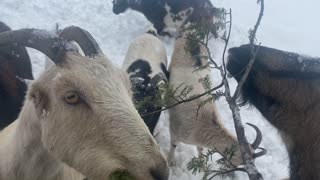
[22, 155]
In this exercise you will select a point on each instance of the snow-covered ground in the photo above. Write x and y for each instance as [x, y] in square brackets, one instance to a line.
[287, 24]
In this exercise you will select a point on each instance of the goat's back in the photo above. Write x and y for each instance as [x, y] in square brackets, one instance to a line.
[188, 118]
[147, 48]
[146, 58]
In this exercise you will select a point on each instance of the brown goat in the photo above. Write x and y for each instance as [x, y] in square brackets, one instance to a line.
[15, 66]
[285, 88]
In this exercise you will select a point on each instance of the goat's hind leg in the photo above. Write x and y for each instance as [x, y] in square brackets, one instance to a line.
[171, 153]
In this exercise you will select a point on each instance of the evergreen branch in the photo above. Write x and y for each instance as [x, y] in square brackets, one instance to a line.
[226, 159]
[219, 173]
[201, 164]
[201, 104]
[186, 100]
[200, 41]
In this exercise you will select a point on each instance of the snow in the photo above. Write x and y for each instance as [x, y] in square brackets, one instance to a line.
[287, 24]
[43, 34]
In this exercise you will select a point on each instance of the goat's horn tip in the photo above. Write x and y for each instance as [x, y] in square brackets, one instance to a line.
[261, 153]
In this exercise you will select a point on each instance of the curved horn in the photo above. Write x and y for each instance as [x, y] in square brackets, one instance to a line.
[41, 40]
[261, 153]
[85, 40]
[258, 139]
[157, 79]
[4, 27]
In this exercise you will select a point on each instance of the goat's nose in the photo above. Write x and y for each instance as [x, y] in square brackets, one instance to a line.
[160, 173]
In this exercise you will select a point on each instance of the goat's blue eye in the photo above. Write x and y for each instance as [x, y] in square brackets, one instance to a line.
[72, 98]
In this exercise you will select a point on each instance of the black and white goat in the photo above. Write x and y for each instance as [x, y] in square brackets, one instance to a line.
[146, 64]
[285, 88]
[15, 67]
[168, 15]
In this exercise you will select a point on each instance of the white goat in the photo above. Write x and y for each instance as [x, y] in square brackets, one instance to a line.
[202, 128]
[146, 64]
[79, 114]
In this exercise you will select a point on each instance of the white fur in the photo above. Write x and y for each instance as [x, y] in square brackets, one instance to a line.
[206, 129]
[101, 134]
[149, 48]
[170, 24]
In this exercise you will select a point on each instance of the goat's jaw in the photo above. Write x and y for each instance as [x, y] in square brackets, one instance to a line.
[126, 174]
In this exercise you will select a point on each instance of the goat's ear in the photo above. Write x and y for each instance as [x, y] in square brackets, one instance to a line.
[39, 98]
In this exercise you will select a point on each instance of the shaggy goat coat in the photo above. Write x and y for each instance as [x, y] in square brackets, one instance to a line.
[189, 125]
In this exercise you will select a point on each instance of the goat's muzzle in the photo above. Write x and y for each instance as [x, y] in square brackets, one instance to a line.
[160, 173]
[238, 60]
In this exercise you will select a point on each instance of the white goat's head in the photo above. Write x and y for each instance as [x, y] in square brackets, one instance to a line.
[84, 111]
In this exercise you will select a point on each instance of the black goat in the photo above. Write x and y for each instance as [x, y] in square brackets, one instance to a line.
[15, 67]
[285, 88]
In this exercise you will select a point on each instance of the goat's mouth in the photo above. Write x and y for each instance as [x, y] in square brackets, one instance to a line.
[158, 174]
[238, 60]
[119, 6]
[118, 10]
[122, 175]
[125, 175]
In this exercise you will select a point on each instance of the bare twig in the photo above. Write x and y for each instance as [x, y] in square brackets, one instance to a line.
[247, 155]
[252, 36]
[226, 159]
[245, 148]
[186, 100]
[218, 173]
[227, 42]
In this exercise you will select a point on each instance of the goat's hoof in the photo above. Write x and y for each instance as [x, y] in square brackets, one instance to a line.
[172, 163]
